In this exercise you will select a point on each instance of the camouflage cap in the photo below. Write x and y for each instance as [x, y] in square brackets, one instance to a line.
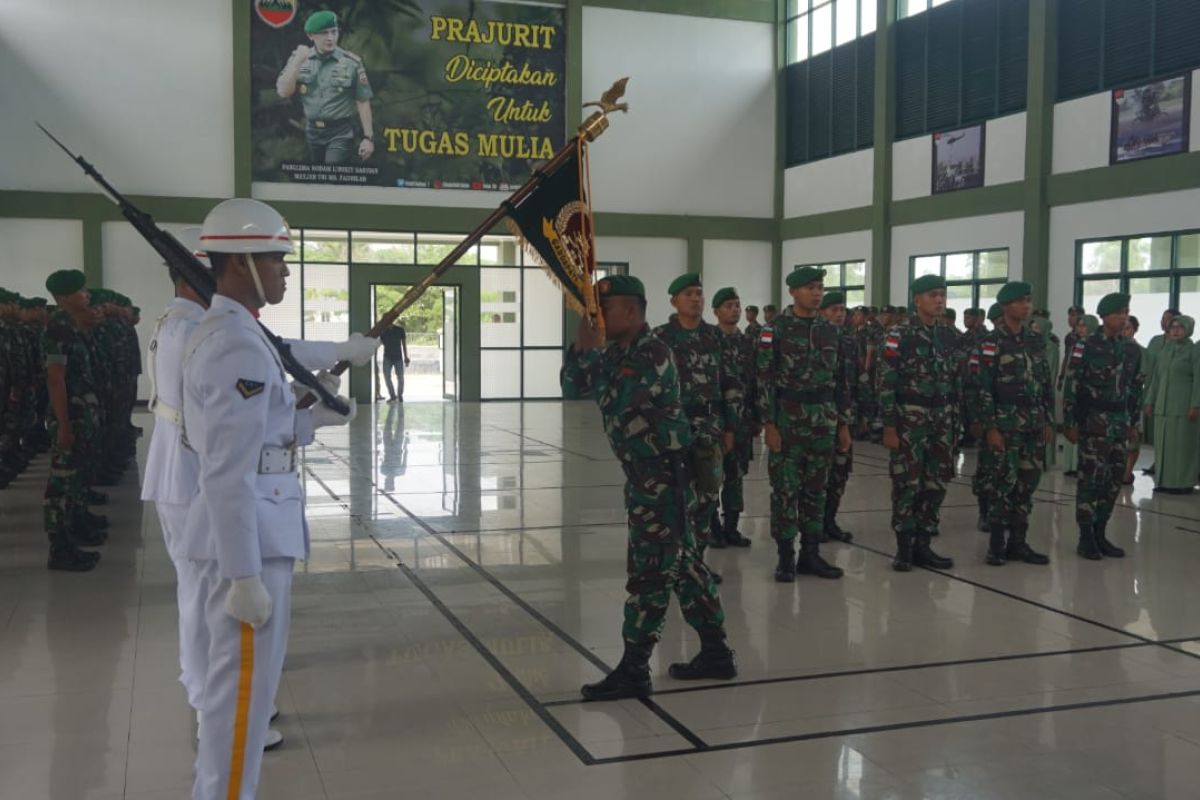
[927, 283]
[65, 282]
[685, 281]
[995, 311]
[621, 286]
[833, 299]
[804, 276]
[1012, 291]
[723, 295]
[320, 21]
[1112, 304]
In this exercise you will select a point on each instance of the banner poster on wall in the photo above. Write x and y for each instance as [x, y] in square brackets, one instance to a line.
[440, 94]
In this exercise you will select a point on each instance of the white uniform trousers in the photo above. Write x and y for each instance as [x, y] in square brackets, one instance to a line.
[244, 668]
[190, 591]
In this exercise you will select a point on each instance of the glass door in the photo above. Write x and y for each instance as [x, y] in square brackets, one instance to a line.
[448, 342]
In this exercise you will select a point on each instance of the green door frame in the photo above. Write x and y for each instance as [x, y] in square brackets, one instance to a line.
[464, 278]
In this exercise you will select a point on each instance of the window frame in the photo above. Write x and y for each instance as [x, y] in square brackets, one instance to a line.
[809, 7]
[841, 286]
[1123, 276]
[975, 282]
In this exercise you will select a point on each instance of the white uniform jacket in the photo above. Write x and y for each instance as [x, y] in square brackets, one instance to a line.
[241, 420]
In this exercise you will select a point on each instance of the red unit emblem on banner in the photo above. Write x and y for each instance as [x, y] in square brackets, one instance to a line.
[276, 13]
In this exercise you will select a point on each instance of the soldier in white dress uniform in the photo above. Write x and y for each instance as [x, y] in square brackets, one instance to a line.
[246, 527]
[172, 469]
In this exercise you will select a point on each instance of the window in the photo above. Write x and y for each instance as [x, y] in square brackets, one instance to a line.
[910, 8]
[1158, 271]
[1106, 44]
[964, 61]
[972, 278]
[849, 277]
[817, 26]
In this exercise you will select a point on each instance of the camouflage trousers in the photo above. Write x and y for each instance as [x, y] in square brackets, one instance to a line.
[1015, 474]
[920, 469]
[839, 476]
[985, 472]
[799, 475]
[663, 558]
[65, 498]
[1101, 468]
[736, 465]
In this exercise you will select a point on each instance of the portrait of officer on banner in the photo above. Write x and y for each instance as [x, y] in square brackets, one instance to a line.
[334, 91]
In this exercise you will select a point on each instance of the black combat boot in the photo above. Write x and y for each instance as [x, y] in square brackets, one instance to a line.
[811, 563]
[996, 554]
[733, 537]
[1019, 550]
[832, 529]
[1107, 548]
[903, 562]
[631, 678]
[785, 570]
[716, 534]
[923, 555]
[715, 660]
[1087, 544]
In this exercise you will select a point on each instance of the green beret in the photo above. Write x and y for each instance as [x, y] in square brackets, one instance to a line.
[728, 293]
[1112, 303]
[621, 286]
[872, 309]
[136, 310]
[97, 297]
[684, 281]
[6, 296]
[833, 299]
[926, 283]
[65, 282]
[804, 276]
[751, 308]
[122, 300]
[769, 307]
[973, 311]
[1014, 290]
[950, 313]
[320, 21]
[34, 302]
[995, 312]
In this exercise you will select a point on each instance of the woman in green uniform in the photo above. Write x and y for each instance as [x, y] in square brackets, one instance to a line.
[1174, 401]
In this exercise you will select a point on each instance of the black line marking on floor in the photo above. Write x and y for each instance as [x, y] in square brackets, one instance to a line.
[1189, 530]
[903, 726]
[517, 687]
[559, 448]
[735, 684]
[1037, 604]
[323, 484]
[546, 622]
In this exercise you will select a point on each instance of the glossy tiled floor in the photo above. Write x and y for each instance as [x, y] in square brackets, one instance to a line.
[466, 577]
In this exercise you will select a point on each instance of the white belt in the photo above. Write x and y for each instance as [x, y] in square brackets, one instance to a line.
[277, 460]
[164, 411]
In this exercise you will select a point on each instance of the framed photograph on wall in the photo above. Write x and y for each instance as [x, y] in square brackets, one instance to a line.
[958, 159]
[1151, 120]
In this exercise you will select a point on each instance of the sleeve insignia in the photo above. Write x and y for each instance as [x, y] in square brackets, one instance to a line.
[988, 351]
[766, 339]
[1077, 353]
[892, 345]
[248, 388]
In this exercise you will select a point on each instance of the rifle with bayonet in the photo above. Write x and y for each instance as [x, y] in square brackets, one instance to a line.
[186, 265]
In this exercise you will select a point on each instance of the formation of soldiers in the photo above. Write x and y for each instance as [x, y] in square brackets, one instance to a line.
[68, 374]
[683, 403]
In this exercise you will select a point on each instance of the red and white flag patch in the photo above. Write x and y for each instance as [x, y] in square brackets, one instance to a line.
[1077, 353]
[988, 351]
[892, 345]
[766, 339]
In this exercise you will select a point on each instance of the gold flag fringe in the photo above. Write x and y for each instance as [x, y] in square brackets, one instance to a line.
[531, 253]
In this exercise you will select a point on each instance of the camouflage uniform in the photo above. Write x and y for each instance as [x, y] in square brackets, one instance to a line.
[1015, 397]
[64, 504]
[1101, 400]
[843, 463]
[803, 389]
[919, 390]
[710, 392]
[638, 392]
[18, 372]
[739, 349]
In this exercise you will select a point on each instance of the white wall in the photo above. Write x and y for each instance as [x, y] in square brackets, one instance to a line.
[656, 262]
[1083, 130]
[746, 266]
[141, 89]
[700, 134]
[1151, 213]
[132, 268]
[855, 246]
[30, 249]
[831, 184]
[1003, 158]
[988, 232]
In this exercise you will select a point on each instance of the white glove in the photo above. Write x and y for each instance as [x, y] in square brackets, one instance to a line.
[323, 416]
[248, 601]
[358, 349]
[331, 382]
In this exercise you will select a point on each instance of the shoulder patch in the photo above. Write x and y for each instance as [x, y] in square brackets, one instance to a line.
[355, 57]
[248, 388]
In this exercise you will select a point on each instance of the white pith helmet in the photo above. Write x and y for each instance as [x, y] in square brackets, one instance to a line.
[242, 225]
[189, 237]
